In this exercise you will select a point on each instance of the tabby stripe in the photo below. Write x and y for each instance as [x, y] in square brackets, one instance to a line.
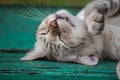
[58, 46]
[111, 3]
[55, 48]
[44, 40]
[62, 40]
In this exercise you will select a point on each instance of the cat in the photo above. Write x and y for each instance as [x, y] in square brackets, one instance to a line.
[86, 38]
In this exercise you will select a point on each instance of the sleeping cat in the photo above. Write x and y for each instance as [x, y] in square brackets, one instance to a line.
[92, 35]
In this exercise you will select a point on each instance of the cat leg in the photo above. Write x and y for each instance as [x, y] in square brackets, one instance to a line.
[97, 11]
[118, 70]
[95, 22]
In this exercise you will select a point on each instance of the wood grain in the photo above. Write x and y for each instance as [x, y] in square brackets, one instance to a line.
[11, 68]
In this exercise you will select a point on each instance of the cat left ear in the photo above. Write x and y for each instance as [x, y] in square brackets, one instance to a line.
[90, 60]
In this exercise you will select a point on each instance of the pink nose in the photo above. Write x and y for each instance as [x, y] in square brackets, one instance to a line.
[53, 23]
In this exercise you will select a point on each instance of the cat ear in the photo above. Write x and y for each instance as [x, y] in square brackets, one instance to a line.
[32, 55]
[89, 60]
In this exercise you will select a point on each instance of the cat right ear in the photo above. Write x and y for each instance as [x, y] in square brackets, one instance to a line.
[90, 60]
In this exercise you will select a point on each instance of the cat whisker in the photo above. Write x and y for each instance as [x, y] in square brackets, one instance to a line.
[30, 14]
[33, 18]
[65, 28]
[42, 10]
[49, 8]
[33, 12]
[46, 8]
[36, 9]
[30, 10]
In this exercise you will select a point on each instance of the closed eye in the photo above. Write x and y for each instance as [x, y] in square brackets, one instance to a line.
[44, 33]
[65, 18]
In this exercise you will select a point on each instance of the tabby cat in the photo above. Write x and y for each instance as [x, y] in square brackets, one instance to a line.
[92, 35]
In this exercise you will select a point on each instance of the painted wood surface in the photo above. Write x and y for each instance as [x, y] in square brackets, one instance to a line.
[11, 68]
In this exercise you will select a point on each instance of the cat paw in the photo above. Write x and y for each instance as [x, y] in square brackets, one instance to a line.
[95, 23]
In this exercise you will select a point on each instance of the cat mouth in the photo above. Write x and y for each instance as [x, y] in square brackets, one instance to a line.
[55, 27]
[55, 24]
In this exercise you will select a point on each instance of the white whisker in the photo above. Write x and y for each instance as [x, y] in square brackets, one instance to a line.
[65, 26]
[30, 10]
[49, 8]
[33, 12]
[42, 10]
[45, 7]
[36, 9]
[39, 12]
[33, 18]
[30, 15]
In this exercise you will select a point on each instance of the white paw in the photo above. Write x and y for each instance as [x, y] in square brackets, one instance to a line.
[95, 23]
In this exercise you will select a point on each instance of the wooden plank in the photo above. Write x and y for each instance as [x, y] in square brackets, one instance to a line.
[46, 2]
[17, 32]
[11, 68]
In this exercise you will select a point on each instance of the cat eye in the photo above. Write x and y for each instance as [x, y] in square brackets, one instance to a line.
[59, 17]
[65, 18]
[43, 33]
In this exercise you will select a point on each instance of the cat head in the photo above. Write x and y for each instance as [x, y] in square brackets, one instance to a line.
[70, 30]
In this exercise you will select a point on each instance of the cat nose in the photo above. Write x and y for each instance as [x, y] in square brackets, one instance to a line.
[53, 23]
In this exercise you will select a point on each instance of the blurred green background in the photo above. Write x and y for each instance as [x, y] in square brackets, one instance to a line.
[48, 2]
[19, 20]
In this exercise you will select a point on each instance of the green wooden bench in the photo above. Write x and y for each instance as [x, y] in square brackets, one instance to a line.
[17, 35]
